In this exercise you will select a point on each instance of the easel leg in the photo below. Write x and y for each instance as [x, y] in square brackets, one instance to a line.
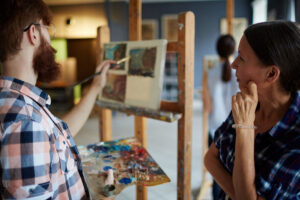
[140, 126]
[105, 127]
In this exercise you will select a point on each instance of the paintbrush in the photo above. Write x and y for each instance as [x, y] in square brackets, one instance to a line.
[98, 73]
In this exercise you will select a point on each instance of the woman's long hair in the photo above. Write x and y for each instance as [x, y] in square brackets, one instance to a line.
[225, 48]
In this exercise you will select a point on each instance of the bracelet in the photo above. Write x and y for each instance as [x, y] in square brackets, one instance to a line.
[243, 126]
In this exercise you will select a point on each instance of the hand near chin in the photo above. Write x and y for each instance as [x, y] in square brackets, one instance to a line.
[244, 104]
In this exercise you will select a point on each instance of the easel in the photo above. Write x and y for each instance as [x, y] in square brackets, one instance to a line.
[182, 108]
[206, 184]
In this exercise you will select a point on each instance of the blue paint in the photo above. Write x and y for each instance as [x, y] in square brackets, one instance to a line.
[125, 148]
[108, 156]
[115, 148]
[125, 181]
[106, 168]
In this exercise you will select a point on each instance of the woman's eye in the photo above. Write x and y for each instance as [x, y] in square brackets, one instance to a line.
[240, 58]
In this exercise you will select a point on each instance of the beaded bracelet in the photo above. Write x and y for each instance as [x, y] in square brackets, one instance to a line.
[243, 126]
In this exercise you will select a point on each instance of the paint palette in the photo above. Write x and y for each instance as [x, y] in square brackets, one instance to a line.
[130, 162]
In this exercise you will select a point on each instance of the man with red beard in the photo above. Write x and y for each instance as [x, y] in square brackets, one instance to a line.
[39, 159]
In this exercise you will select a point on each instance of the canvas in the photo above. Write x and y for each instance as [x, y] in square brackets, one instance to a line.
[130, 162]
[239, 26]
[149, 29]
[138, 81]
[210, 61]
[170, 27]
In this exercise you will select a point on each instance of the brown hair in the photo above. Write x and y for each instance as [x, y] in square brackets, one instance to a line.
[226, 48]
[15, 15]
[278, 43]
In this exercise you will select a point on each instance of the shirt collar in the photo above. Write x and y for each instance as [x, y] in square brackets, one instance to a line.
[288, 121]
[27, 89]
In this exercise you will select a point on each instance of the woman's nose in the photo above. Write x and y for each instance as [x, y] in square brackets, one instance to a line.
[234, 65]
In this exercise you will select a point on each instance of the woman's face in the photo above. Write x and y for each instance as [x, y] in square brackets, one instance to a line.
[248, 67]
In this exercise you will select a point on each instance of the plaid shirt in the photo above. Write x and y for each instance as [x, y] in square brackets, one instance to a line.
[39, 159]
[277, 155]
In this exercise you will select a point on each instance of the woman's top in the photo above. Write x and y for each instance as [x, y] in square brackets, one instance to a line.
[221, 93]
[277, 154]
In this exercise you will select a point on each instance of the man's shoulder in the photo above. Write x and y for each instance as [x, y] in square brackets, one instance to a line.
[15, 106]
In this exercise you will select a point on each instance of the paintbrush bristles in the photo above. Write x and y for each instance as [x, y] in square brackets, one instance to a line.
[123, 60]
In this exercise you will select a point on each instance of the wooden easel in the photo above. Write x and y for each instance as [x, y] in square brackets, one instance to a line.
[206, 184]
[183, 107]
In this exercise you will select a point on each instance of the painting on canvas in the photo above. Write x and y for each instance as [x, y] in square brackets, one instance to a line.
[210, 61]
[142, 61]
[115, 87]
[170, 27]
[239, 25]
[115, 52]
[143, 70]
[149, 29]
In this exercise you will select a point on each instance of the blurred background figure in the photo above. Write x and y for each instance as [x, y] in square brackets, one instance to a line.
[222, 85]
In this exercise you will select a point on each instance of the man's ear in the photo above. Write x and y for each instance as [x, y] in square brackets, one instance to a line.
[33, 35]
[272, 74]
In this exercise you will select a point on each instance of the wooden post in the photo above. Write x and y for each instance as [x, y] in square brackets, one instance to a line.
[230, 15]
[186, 41]
[140, 127]
[105, 127]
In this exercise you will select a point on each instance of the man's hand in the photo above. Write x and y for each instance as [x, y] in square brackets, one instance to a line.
[100, 80]
[244, 105]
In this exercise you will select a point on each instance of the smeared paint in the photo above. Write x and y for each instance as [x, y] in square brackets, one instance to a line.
[130, 162]
[125, 181]
[106, 168]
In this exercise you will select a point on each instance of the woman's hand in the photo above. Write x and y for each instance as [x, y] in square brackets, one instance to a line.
[244, 105]
[100, 81]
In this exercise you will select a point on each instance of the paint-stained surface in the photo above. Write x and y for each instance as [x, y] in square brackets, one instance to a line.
[130, 162]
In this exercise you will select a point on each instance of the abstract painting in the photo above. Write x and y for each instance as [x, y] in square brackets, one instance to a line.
[170, 27]
[142, 61]
[115, 52]
[149, 29]
[239, 25]
[130, 162]
[143, 67]
[115, 87]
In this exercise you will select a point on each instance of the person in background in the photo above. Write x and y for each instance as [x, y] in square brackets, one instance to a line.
[39, 159]
[222, 85]
[256, 151]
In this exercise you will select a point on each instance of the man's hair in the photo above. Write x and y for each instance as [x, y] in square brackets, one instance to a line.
[15, 15]
[278, 43]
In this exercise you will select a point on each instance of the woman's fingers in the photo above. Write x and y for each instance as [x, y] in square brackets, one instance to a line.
[252, 87]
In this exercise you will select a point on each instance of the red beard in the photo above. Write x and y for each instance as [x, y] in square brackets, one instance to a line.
[44, 63]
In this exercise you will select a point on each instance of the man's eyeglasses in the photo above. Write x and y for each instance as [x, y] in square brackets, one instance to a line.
[51, 28]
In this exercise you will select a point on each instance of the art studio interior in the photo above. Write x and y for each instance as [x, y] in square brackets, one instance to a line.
[156, 94]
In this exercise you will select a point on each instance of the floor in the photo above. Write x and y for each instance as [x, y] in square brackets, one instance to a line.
[162, 145]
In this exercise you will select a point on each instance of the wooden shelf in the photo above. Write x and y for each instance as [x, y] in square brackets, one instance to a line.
[166, 116]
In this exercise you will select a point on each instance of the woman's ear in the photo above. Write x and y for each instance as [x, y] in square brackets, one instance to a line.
[272, 74]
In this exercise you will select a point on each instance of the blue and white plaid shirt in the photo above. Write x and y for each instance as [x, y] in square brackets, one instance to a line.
[277, 155]
[39, 159]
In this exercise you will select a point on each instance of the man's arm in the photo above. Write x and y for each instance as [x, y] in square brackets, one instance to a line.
[25, 161]
[77, 117]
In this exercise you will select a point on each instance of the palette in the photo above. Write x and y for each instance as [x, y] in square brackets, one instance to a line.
[130, 162]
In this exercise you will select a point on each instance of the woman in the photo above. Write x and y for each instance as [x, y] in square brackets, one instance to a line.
[221, 86]
[256, 151]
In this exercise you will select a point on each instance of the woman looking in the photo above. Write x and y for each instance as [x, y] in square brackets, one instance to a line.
[256, 151]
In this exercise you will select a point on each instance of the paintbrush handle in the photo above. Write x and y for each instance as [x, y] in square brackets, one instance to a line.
[98, 73]
[86, 79]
